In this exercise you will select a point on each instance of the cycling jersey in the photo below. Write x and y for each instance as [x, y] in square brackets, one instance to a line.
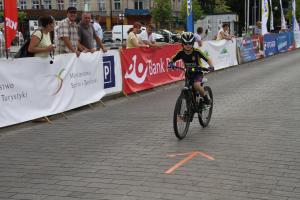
[190, 60]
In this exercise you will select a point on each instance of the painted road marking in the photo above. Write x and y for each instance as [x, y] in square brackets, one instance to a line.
[190, 156]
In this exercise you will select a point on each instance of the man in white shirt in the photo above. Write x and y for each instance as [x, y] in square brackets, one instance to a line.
[147, 37]
[98, 28]
[198, 36]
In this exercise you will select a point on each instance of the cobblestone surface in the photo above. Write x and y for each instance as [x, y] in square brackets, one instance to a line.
[120, 151]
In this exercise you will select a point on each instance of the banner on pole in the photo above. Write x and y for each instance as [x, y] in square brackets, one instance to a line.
[265, 16]
[283, 22]
[189, 16]
[295, 23]
[11, 21]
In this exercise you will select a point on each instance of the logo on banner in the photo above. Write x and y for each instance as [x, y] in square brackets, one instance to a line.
[109, 71]
[60, 82]
[136, 73]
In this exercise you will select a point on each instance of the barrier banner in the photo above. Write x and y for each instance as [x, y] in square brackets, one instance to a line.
[258, 44]
[145, 68]
[282, 42]
[221, 52]
[270, 44]
[297, 39]
[291, 41]
[245, 50]
[32, 87]
[112, 72]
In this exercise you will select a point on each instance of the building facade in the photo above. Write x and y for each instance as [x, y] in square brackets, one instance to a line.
[111, 12]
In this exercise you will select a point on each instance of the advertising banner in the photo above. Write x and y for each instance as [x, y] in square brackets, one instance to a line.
[291, 41]
[145, 68]
[297, 39]
[270, 44]
[112, 72]
[245, 50]
[32, 87]
[282, 42]
[258, 45]
[264, 16]
[11, 21]
[221, 52]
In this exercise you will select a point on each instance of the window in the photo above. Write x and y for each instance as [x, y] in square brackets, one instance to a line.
[1, 5]
[60, 4]
[73, 3]
[117, 4]
[101, 4]
[47, 4]
[138, 5]
[86, 4]
[22, 4]
[35, 4]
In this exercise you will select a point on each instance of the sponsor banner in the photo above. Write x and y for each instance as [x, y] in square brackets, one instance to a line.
[264, 16]
[270, 45]
[258, 44]
[221, 52]
[245, 50]
[32, 87]
[297, 39]
[145, 68]
[282, 42]
[11, 21]
[291, 41]
[112, 72]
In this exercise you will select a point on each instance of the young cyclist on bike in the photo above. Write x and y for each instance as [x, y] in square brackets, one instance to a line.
[192, 59]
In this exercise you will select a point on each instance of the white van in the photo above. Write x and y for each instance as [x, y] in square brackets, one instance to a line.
[117, 32]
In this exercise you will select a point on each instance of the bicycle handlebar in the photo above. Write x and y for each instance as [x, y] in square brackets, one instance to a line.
[194, 69]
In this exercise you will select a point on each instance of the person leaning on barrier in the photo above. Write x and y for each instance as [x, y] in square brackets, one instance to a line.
[224, 33]
[132, 40]
[147, 37]
[87, 35]
[198, 36]
[40, 42]
[67, 34]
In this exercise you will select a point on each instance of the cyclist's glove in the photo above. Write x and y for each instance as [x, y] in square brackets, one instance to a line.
[171, 65]
[211, 68]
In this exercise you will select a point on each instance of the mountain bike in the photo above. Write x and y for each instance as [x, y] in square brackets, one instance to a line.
[190, 102]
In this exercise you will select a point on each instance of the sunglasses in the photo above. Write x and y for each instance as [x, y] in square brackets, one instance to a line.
[190, 43]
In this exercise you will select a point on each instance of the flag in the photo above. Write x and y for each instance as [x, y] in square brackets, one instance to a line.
[271, 17]
[11, 21]
[295, 23]
[189, 16]
[265, 16]
[283, 22]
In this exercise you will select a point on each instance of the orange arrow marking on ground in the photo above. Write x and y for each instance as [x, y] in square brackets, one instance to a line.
[190, 156]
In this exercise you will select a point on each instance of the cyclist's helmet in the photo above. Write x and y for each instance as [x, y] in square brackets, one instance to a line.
[187, 38]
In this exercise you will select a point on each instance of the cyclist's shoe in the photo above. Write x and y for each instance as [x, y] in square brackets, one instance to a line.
[207, 100]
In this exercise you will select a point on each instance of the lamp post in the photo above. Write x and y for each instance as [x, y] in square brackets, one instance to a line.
[121, 18]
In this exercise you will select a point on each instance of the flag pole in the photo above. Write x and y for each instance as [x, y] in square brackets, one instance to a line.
[5, 31]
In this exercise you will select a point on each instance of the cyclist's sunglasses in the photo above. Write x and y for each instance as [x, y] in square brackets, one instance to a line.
[188, 43]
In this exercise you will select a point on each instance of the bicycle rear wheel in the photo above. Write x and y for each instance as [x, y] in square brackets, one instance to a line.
[205, 111]
[181, 117]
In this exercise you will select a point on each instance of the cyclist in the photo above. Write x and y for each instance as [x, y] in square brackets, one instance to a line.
[192, 59]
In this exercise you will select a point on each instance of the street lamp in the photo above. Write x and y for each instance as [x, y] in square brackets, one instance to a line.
[121, 18]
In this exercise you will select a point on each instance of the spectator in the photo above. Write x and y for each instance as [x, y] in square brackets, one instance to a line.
[67, 33]
[87, 34]
[198, 36]
[98, 28]
[40, 42]
[147, 37]
[224, 33]
[257, 29]
[132, 40]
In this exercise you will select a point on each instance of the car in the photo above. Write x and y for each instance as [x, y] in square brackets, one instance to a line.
[117, 32]
[107, 37]
[169, 37]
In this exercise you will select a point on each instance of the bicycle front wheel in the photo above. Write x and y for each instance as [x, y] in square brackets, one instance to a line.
[205, 110]
[181, 118]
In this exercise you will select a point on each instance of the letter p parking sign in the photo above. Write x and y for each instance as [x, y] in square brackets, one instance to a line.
[109, 72]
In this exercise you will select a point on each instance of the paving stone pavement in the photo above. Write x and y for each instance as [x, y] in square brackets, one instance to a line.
[121, 151]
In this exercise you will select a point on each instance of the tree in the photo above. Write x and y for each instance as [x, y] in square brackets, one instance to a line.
[162, 13]
[221, 7]
[197, 11]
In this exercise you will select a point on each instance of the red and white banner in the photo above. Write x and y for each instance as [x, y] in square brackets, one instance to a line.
[145, 68]
[11, 21]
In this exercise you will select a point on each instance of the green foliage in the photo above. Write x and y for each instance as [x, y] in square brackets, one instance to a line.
[221, 7]
[162, 12]
[197, 11]
[21, 16]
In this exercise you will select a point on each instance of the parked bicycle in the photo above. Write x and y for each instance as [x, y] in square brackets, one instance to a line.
[190, 102]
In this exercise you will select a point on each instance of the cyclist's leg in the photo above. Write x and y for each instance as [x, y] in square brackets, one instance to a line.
[197, 85]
